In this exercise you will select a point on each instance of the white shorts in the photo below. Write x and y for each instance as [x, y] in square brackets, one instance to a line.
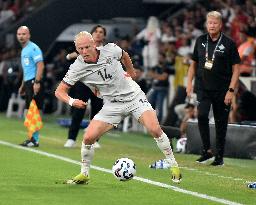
[114, 112]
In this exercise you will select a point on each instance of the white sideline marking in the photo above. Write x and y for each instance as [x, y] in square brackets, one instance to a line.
[51, 138]
[174, 188]
[212, 174]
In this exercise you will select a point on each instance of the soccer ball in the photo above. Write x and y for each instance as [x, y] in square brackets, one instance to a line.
[124, 169]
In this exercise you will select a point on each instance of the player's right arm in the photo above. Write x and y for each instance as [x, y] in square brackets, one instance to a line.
[22, 89]
[62, 94]
[191, 74]
[126, 60]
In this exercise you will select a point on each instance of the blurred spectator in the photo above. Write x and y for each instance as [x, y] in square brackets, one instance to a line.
[60, 65]
[160, 85]
[247, 54]
[179, 98]
[170, 52]
[136, 57]
[151, 36]
[190, 115]
[125, 44]
[251, 27]
[140, 79]
[10, 76]
[167, 34]
[234, 115]
[243, 105]
[180, 109]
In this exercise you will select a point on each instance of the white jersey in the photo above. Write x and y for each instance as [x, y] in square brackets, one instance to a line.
[106, 75]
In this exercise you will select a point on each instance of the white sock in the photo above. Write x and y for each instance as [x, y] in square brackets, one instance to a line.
[87, 153]
[163, 143]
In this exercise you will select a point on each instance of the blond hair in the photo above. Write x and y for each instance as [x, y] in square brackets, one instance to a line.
[214, 14]
[83, 34]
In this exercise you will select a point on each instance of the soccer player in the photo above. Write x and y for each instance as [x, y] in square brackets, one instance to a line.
[83, 92]
[101, 68]
[33, 68]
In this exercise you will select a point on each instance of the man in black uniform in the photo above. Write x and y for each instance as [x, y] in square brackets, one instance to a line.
[215, 67]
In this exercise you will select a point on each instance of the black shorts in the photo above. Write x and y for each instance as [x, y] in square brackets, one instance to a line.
[82, 92]
[29, 94]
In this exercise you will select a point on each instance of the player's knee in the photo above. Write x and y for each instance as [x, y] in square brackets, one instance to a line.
[89, 139]
[155, 130]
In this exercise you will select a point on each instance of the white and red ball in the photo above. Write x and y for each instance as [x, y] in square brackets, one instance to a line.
[124, 169]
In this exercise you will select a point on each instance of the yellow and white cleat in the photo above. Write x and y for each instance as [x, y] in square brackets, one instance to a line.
[176, 174]
[79, 179]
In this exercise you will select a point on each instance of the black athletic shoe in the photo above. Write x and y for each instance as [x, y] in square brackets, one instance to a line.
[205, 157]
[30, 143]
[217, 162]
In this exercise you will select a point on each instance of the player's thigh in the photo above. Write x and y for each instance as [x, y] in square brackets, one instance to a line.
[145, 114]
[150, 121]
[111, 113]
[139, 105]
[96, 129]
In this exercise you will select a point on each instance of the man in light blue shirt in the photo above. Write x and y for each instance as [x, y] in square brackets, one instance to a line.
[33, 67]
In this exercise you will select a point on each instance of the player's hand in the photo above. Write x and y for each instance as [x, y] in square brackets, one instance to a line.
[79, 104]
[228, 98]
[36, 88]
[21, 91]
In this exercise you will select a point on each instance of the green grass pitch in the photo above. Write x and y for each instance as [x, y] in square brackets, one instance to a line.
[30, 178]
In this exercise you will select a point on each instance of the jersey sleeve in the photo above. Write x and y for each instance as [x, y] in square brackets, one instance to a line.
[234, 54]
[37, 54]
[116, 50]
[72, 76]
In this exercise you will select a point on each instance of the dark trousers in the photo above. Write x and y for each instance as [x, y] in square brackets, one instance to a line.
[29, 94]
[220, 112]
[82, 92]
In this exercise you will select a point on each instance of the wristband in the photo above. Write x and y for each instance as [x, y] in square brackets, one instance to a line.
[68, 57]
[71, 101]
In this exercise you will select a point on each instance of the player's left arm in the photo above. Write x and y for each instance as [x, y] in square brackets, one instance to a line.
[233, 84]
[235, 76]
[39, 75]
[127, 62]
[235, 73]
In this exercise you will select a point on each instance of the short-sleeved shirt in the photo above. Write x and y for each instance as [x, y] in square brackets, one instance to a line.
[106, 75]
[226, 55]
[31, 54]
